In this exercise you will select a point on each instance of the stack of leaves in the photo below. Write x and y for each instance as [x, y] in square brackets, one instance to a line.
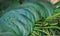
[29, 19]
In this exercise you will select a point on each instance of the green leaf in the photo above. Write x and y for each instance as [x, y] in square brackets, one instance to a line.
[20, 25]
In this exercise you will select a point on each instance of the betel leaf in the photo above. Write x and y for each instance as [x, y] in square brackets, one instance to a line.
[43, 9]
[18, 23]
